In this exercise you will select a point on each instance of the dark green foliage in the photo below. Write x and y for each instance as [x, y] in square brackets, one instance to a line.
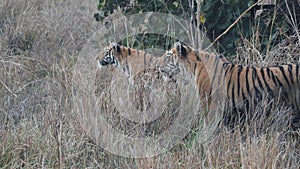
[216, 16]
[268, 29]
[107, 6]
[149, 40]
[219, 15]
[168, 6]
[146, 40]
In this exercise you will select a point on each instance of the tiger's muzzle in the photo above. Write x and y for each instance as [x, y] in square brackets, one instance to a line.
[108, 60]
[167, 67]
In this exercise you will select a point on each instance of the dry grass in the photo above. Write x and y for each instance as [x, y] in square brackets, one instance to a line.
[40, 41]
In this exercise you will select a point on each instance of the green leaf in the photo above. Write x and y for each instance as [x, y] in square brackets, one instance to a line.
[101, 4]
[176, 4]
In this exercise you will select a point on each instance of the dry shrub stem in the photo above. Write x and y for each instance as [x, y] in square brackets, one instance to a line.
[233, 24]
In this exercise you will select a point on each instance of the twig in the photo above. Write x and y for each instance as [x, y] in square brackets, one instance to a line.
[233, 24]
[7, 88]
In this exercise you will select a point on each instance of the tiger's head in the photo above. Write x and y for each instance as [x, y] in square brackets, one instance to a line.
[175, 60]
[110, 55]
[182, 58]
[127, 60]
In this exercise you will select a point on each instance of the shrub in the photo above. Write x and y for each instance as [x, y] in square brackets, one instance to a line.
[216, 16]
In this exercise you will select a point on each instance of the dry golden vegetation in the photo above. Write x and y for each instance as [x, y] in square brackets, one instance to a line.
[39, 44]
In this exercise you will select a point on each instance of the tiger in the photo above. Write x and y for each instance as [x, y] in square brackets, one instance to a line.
[128, 60]
[242, 86]
[137, 65]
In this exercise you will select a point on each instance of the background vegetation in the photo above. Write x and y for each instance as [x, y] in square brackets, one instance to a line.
[214, 17]
[39, 45]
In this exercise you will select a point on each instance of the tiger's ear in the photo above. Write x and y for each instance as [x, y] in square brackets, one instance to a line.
[180, 48]
[116, 47]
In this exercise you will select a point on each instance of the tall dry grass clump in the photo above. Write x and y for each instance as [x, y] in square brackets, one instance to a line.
[40, 41]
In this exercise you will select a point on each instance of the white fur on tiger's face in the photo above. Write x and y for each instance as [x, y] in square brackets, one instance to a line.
[107, 57]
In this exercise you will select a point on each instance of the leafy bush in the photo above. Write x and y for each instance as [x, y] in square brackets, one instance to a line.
[216, 16]
[219, 15]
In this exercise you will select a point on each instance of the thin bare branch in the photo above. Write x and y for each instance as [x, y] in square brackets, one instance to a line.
[233, 24]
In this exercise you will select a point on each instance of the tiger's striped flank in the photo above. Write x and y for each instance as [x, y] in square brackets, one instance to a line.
[244, 87]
